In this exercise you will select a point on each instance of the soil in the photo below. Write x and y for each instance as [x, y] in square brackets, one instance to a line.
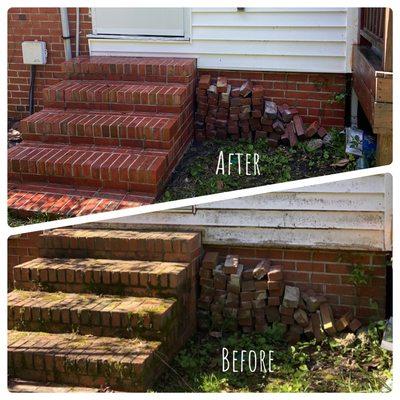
[196, 173]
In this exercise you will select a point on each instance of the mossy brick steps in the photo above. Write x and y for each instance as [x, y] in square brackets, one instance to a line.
[126, 364]
[120, 244]
[145, 317]
[113, 131]
[128, 277]
[89, 321]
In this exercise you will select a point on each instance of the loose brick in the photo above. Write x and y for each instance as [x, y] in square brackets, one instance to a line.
[354, 325]
[246, 89]
[231, 264]
[328, 323]
[275, 273]
[261, 269]
[291, 297]
[301, 317]
[205, 81]
[210, 260]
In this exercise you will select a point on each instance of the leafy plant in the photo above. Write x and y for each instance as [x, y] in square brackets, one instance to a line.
[359, 366]
[338, 98]
[359, 275]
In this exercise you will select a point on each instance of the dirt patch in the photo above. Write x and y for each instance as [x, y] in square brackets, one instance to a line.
[195, 175]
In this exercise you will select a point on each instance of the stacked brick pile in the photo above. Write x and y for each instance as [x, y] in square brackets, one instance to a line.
[234, 297]
[243, 112]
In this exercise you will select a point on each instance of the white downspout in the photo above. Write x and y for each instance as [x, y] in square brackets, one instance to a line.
[77, 34]
[65, 33]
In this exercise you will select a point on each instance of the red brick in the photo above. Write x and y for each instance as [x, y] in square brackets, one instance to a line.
[324, 278]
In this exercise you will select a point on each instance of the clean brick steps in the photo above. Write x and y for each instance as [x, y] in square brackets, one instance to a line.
[117, 105]
[133, 170]
[125, 364]
[129, 317]
[149, 69]
[110, 129]
[146, 296]
[117, 96]
[108, 276]
[55, 199]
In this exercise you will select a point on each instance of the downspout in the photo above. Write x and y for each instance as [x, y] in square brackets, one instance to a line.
[77, 33]
[65, 33]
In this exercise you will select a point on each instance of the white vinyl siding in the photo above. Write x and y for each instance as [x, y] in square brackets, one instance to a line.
[265, 39]
[352, 214]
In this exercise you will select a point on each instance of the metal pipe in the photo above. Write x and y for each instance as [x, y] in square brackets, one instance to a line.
[32, 90]
[77, 33]
[65, 33]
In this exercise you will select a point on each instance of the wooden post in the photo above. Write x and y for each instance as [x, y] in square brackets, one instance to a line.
[388, 42]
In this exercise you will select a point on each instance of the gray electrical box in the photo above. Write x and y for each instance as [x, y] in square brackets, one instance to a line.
[34, 53]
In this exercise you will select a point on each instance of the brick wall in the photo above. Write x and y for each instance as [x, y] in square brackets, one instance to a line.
[21, 248]
[310, 93]
[327, 272]
[41, 24]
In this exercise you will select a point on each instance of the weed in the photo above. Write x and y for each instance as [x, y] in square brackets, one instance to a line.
[305, 367]
[359, 275]
[337, 98]
[195, 175]
[15, 219]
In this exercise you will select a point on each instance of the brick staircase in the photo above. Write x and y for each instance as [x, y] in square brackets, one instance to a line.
[102, 308]
[109, 136]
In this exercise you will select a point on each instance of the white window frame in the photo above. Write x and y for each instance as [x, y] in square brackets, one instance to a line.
[187, 27]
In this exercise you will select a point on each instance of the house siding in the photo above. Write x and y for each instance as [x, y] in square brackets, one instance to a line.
[258, 39]
[348, 215]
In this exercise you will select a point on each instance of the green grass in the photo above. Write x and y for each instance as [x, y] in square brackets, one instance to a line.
[361, 366]
[15, 220]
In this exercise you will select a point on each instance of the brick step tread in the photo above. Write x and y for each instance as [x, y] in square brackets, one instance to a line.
[91, 275]
[91, 314]
[101, 128]
[162, 69]
[117, 95]
[68, 201]
[125, 244]
[25, 386]
[128, 169]
[83, 360]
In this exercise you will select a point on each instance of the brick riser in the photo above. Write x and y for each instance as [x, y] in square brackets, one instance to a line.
[149, 69]
[120, 245]
[56, 199]
[60, 358]
[30, 163]
[115, 316]
[116, 97]
[121, 137]
[160, 326]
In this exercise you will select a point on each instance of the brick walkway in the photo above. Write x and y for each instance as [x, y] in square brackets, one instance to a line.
[22, 386]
